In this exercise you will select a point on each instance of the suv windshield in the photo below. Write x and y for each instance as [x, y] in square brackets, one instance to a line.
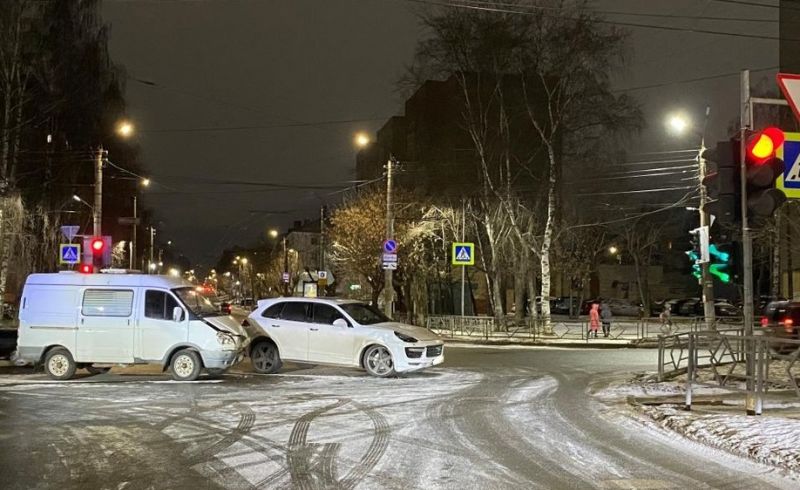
[195, 301]
[364, 314]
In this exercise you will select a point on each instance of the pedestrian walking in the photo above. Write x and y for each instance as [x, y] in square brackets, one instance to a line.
[594, 319]
[605, 316]
[666, 320]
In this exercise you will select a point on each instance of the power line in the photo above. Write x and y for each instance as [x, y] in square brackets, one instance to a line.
[609, 22]
[263, 126]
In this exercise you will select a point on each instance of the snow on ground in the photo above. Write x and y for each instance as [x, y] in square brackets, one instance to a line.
[771, 440]
[621, 391]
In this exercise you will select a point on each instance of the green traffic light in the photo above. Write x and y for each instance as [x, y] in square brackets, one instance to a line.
[716, 270]
[715, 252]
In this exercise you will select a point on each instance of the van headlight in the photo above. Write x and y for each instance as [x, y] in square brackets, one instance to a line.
[226, 340]
[405, 338]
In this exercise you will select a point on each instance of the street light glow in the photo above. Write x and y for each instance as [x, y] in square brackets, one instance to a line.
[146, 182]
[174, 272]
[76, 198]
[273, 233]
[613, 250]
[678, 123]
[125, 129]
[362, 140]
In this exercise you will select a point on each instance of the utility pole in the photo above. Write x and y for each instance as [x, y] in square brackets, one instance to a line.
[322, 238]
[705, 275]
[97, 209]
[285, 268]
[152, 237]
[133, 235]
[388, 287]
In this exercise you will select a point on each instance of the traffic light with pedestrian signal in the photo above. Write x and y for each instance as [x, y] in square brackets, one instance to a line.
[720, 266]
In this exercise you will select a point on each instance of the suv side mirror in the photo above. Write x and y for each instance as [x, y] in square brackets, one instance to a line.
[177, 314]
[341, 323]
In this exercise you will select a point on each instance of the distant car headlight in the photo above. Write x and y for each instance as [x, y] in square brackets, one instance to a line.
[405, 338]
[226, 340]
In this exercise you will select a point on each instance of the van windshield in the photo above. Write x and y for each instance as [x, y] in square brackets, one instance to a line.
[196, 302]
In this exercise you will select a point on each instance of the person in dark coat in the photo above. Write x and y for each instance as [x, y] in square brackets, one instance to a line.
[605, 316]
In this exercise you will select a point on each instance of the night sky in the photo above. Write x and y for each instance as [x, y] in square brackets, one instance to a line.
[272, 91]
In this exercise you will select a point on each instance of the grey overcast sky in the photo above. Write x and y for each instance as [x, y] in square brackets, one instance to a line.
[285, 73]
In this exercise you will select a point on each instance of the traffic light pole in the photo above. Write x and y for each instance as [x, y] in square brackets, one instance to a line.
[97, 209]
[747, 242]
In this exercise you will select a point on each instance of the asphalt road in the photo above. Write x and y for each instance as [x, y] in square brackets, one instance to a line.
[488, 418]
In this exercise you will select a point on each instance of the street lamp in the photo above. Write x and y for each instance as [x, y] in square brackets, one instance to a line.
[77, 198]
[362, 140]
[273, 233]
[679, 124]
[125, 128]
[613, 250]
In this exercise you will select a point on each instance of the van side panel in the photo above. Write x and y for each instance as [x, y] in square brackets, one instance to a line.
[48, 316]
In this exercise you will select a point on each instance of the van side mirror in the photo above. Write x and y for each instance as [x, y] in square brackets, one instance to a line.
[341, 323]
[177, 314]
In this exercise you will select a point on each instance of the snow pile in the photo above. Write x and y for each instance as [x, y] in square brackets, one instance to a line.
[770, 440]
[642, 389]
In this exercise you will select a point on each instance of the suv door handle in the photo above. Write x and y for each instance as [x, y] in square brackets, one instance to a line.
[275, 326]
[314, 329]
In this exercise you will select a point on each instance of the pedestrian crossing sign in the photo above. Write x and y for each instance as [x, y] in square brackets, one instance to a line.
[789, 182]
[463, 254]
[70, 253]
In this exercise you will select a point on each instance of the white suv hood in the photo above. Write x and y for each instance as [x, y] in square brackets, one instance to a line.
[418, 333]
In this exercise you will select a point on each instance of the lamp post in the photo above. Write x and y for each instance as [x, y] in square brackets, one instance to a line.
[680, 124]
[124, 129]
[362, 140]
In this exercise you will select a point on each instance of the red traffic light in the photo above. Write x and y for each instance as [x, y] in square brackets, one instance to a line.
[97, 245]
[87, 268]
[763, 146]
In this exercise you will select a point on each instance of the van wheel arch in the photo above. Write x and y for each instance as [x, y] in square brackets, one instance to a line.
[48, 349]
[168, 359]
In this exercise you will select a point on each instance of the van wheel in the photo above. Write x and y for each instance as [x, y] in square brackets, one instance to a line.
[58, 364]
[185, 365]
[97, 370]
[265, 357]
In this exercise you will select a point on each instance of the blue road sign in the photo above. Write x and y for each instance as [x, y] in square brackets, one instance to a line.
[390, 246]
[70, 253]
[789, 182]
[463, 254]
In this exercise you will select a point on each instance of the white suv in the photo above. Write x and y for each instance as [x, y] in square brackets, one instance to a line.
[337, 332]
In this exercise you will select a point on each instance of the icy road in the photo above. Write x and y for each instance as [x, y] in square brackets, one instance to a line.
[488, 418]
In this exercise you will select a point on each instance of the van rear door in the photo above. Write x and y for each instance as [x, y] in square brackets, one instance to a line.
[105, 330]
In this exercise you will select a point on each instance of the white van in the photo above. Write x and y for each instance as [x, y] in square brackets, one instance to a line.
[69, 321]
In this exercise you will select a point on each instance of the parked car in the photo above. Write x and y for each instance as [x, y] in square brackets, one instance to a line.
[69, 321]
[337, 332]
[782, 319]
[624, 307]
[724, 309]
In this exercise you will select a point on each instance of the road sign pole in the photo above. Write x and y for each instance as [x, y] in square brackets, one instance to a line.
[388, 287]
[463, 269]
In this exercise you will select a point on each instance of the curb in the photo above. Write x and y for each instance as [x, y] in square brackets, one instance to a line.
[539, 343]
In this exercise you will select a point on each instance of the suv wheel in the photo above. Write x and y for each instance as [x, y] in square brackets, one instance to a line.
[378, 361]
[265, 357]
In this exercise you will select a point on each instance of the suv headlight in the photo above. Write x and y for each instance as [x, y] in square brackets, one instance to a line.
[405, 338]
[226, 340]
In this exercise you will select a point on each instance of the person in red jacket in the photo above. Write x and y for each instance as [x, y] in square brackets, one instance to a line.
[594, 319]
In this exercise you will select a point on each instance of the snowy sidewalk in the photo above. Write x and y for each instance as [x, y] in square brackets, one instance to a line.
[718, 419]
